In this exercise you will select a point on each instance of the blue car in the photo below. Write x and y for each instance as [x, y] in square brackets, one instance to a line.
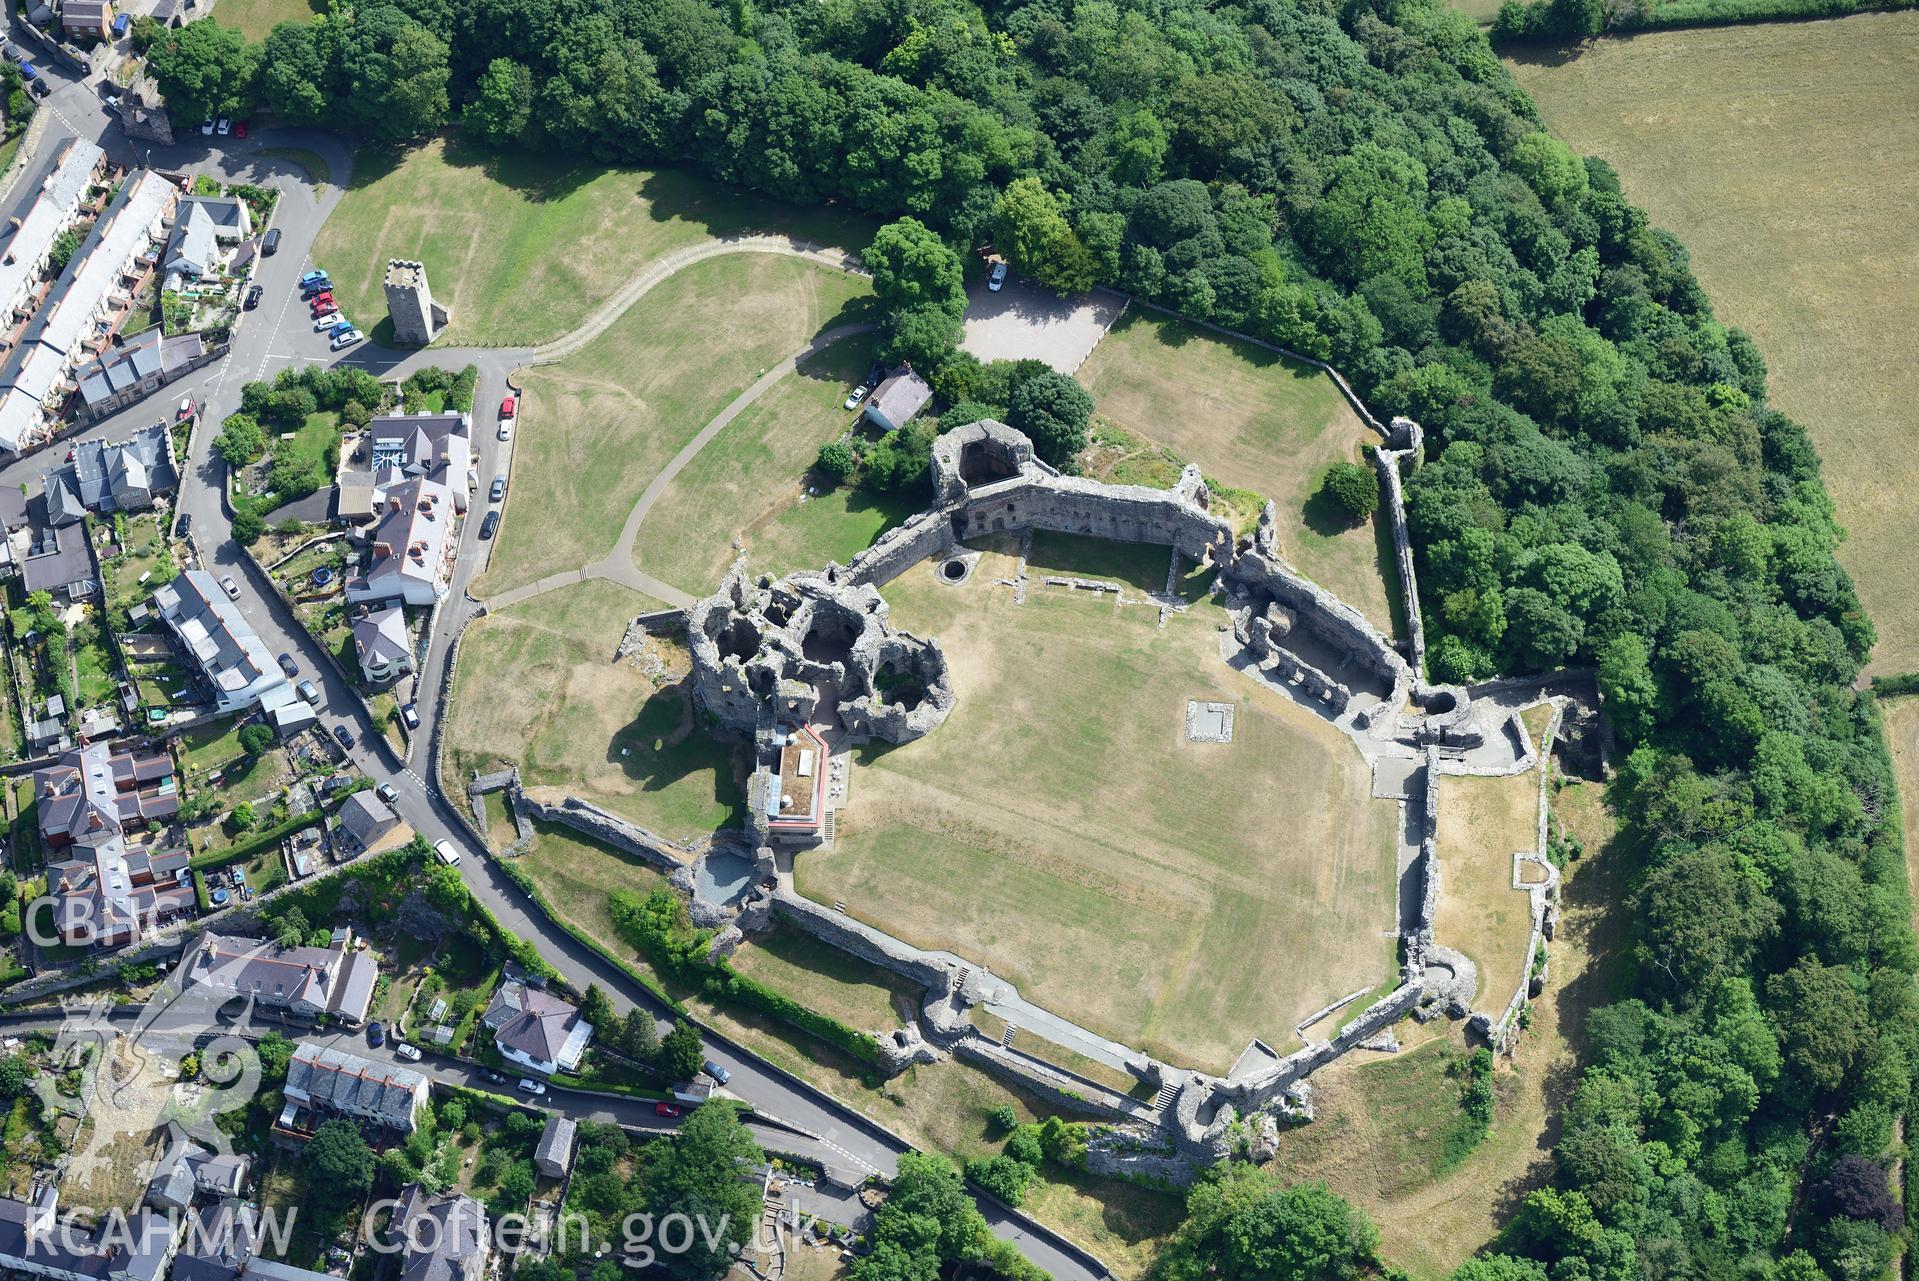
[30, 71]
[313, 278]
[339, 329]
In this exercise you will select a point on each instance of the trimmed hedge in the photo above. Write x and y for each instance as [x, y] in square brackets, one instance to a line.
[1891, 686]
[658, 927]
[213, 860]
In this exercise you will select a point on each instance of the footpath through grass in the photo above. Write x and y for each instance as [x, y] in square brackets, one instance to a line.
[1802, 232]
[520, 246]
[596, 428]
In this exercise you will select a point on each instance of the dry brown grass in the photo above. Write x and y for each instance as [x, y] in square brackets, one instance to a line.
[1060, 829]
[1902, 735]
[1431, 1221]
[1482, 823]
[1252, 420]
[537, 684]
[827, 980]
[1782, 155]
[597, 427]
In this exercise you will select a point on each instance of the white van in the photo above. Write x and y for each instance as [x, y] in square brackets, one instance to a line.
[446, 852]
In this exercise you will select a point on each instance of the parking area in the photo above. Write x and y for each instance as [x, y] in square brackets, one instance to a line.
[1024, 320]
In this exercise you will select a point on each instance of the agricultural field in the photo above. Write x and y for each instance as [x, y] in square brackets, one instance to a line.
[1061, 829]
[537, 684]
[1252, 420]
[1482, 823]
[748, 486]
[1380, 1134]
[601, 424]
[1775, 152]
[521, 247]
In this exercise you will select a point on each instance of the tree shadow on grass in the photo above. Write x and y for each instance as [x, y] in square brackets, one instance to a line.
[1325, 517]
[666, 743]
[720, 209]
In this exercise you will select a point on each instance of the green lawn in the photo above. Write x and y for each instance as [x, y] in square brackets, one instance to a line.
[207, 746]
[257, 17]
[95, 667]
[598, 426]
[747, 485]
[521, 247]
[1252, 420]
[537, 685]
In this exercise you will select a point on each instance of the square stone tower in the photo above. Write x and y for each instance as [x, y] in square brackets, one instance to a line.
[417, 319]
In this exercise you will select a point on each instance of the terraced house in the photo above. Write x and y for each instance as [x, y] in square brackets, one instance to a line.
[335, 981]
[106, 890]
[324, 1083]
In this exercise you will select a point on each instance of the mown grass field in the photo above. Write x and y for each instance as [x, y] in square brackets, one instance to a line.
[1902, 736]
[1782, 155]
[1253, 420]
[1059, 827]
[1482, 823]
[521, 247]
[748, 486]
[597, 427]
[255, 18]
[1378, 1139]
[537, 685]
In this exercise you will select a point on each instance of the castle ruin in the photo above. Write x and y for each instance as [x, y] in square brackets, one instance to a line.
[417, 319]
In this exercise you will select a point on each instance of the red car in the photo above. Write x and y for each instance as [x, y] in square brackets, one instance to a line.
[508, 407]
[323, 303]
[240, 129]
[185, 411]
[666, 1109]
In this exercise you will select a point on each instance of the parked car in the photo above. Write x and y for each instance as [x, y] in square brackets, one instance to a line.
[444, 851]
[30, 71]
[206, 127]
[309, 691]
[666, 1109]
[859, 393]
[498, 489]
[340, 325]
[183, 526]
[231, 588]
[40, 89]
[288, 666]
[185, 411]
[509, 406]
[346, 339]
[491, 525]
[272, 243]
[344, 735]
[411, 1053]
[226, 126]
[239, 128]
[11, 51]
[410, 713]
[996, 278]
[717, 1072]
[506, 429]
[320, 299]
[530, 1086]
[312, 276]
[253, 296]
[495, 1077]
[311, 288]
[375, 1034]
[325, 322]
[387, 792]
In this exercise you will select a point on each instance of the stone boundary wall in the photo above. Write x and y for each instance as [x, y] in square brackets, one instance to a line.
[863, 941]
[1059, 1088]
[1387, 462]
[924, 536]
[608, 829]
[444, 695]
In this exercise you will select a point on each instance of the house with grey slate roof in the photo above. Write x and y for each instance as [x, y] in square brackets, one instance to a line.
[899, 396]
[536, 1029]
[34, 1241]
[308, 982]
[112, 478]
[323, 1082]
[553, 1155]
[382, 645]
[135, 370]
[445, 1236]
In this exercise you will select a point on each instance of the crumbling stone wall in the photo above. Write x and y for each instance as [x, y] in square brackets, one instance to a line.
[609, 829]
[751, 666]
